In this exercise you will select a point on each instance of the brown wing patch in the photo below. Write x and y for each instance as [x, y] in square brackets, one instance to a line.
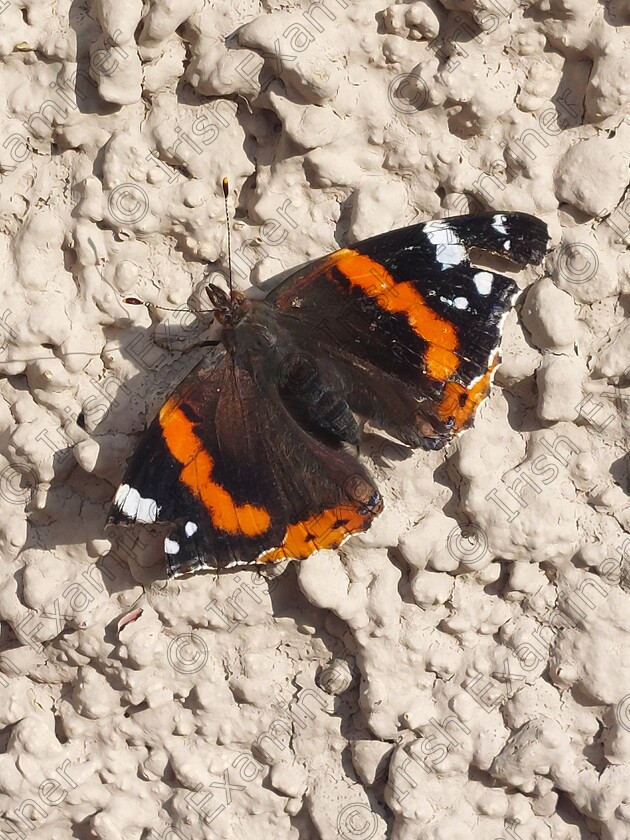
[374, 280]
[324, 530]
[197, 467]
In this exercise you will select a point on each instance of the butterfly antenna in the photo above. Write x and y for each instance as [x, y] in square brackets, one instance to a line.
[134, 301]
[226, 192]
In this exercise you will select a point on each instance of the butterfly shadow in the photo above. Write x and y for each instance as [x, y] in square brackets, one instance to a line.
[614, 13]
[87, 461]
[620, 473]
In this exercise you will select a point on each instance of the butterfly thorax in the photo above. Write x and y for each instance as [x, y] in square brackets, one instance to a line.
[261, 344]
[250, 328]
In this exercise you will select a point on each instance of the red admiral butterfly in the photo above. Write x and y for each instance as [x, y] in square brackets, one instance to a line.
[253, 457]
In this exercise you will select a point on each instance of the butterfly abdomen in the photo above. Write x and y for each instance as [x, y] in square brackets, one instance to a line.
[313, 400]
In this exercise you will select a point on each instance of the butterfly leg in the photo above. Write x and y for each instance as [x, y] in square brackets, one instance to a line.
[180, 343]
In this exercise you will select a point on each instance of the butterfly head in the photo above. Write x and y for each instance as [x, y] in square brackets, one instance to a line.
[227, 306]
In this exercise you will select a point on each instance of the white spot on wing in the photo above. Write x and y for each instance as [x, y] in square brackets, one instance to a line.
[498, 223]
[190, 528]
[134, 506]
[458, 302]
[449, 250]
[171, 546]
[483, 282]
[121, 495]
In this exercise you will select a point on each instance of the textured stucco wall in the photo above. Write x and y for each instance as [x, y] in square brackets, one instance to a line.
[462, 670]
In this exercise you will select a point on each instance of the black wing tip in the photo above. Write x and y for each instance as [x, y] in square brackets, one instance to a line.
[519, 237]
[529, 238]
[185, 550]
[116, 517]
[516, 236]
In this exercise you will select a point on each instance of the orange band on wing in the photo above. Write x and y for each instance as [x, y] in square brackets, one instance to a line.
[197, 465]
[373, 279]
[320, 531]
[461, 403]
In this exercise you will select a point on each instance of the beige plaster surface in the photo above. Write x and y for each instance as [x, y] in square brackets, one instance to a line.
[461, 671]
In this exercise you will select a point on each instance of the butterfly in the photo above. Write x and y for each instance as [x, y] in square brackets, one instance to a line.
[253, 458]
